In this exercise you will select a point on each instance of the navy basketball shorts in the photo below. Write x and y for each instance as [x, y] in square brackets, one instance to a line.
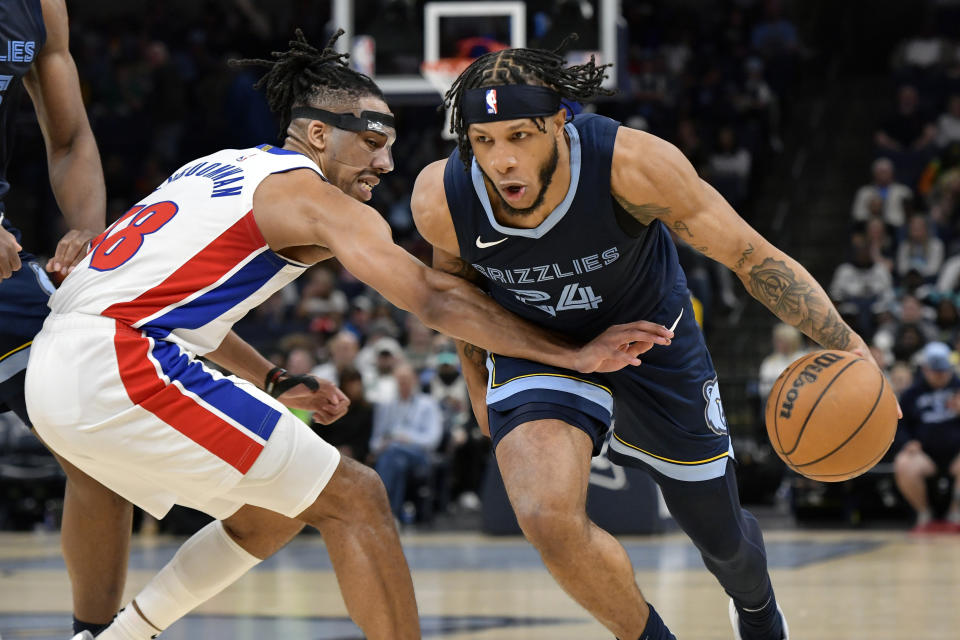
[23, 308]
[665, 415]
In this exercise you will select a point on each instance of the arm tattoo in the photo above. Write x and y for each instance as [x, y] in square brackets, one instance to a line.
[797, 302]
[680, 227]
[644, 213]
[476, 355]
[743, 256]
[462, 269]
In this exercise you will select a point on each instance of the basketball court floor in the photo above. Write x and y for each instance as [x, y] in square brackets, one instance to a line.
[846, 585]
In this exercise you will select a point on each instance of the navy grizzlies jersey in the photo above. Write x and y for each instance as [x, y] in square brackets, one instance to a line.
[22, 35]
[588, 265]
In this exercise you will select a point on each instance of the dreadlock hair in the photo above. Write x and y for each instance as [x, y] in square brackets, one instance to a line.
[523, 66]
[306, 76]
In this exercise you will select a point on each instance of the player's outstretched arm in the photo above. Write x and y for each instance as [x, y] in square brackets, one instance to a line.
[653, 180]
[74, 162]
[297, 208]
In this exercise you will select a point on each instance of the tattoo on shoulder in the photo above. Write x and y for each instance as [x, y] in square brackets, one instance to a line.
[644, 213]
[796, 301]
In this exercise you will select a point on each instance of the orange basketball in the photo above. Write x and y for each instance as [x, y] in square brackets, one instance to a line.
[831, 415]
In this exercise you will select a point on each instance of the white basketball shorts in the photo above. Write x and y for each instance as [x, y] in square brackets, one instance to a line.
[148, 420]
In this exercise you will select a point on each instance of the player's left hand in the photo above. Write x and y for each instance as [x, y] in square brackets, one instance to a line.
[327, 402]
[70, 250]
[619, 346]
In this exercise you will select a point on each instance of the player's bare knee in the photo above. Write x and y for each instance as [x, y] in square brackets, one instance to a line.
[551, 529]
[354, 494]
[94, 496]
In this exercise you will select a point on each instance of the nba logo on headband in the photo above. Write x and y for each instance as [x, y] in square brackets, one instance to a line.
[492, 101]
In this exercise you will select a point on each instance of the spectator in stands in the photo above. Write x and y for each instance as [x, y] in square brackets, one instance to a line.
[911, 329]
[944, 201]
[894, 197]
[406, 432]
[449, 389]
[419, 345]
[359, 316]
[907, 137]
[880, 242]
[320, 297]
[758, 106]
[351, 434]
[947, 319]
[909, 128]
[920, 250]
[379, 381]
[948, 280]
[266, 324]
[787, 347]
[860, 283]
[343, 348]
[688, 141]
[928, 437]
[948, 124]
[728, 169]
[901, 377]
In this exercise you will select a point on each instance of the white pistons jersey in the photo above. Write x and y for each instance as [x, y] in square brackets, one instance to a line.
[187, 261]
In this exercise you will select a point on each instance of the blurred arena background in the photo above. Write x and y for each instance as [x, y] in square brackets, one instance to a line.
[832, 127]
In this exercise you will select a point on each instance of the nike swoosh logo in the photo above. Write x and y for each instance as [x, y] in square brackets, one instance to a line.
[677, 321]
[483, 245]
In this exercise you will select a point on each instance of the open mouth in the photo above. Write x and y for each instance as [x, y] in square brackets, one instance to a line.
[513, 191]
[367, 184]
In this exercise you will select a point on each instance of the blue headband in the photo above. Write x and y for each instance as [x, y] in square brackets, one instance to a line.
[508, 102]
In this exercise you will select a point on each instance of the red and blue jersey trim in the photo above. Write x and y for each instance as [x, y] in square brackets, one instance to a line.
[231, 249]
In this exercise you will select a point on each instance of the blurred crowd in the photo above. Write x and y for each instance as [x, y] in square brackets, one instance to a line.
[899, 286]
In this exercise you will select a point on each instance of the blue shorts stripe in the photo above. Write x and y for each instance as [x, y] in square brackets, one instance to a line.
[557, 398]
[579, 389]
[706, 469]
[14, 361]
[220, 393]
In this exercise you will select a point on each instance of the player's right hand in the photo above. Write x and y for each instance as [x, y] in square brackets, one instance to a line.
[619, 346]
[70, 251]
[9, 254]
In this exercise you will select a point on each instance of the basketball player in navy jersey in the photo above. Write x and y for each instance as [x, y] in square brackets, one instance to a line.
[34, 55]
[566, 223]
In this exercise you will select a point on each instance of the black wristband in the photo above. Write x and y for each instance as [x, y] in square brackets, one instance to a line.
[273, 377]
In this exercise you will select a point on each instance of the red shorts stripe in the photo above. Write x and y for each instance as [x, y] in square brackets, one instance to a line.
[146, 389]
[206, 267]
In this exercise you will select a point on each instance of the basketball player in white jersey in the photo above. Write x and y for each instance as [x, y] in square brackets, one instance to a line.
[137, 410]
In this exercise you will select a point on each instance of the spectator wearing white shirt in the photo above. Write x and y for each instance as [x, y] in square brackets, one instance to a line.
[920, 251]
[895, 197]
[861, 278]
[343, 348]
[948, 124]
[406, 432]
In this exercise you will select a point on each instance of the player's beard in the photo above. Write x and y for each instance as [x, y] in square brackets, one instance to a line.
[547, 170]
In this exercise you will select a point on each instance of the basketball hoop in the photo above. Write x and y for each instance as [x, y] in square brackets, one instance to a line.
[441, 73]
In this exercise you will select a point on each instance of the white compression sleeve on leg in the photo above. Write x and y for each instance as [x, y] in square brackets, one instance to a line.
[206, 564]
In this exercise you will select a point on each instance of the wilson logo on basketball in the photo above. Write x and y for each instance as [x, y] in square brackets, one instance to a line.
[807, 375]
